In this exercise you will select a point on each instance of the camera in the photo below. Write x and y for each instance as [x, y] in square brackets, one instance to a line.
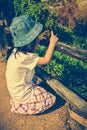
[46, 39]
[47, 35]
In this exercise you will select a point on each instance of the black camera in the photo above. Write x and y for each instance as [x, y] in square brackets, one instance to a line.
[47, 35]
[46, 39]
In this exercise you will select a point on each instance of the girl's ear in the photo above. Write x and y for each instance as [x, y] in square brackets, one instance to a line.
[7, 30]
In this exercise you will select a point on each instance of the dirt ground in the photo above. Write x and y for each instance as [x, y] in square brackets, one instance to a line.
[56, 118]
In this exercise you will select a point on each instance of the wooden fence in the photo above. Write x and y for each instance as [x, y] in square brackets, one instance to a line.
[77, 106]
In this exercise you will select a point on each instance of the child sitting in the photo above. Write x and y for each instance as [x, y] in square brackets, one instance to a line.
[27, 98]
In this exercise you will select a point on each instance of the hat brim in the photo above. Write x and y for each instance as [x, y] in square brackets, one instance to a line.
[29, 37]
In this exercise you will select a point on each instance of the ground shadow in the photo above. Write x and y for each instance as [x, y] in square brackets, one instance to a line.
[59, 101]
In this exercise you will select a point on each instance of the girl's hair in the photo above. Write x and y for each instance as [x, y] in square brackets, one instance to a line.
[24, 49]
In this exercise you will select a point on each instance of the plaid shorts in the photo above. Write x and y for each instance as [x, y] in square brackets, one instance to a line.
[40, 101]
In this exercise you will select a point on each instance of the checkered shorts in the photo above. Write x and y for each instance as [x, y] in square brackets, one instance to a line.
[41, 101]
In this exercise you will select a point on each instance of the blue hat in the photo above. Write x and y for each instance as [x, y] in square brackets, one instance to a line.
[24, 30]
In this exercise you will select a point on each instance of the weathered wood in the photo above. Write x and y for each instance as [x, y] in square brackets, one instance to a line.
[76, 102]
[78, 118]
[77, 53]
[74, 52]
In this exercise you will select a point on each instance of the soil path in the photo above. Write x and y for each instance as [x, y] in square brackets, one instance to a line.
[55, 119]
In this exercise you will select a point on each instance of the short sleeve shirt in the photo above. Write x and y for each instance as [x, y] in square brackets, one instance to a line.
[19, 75]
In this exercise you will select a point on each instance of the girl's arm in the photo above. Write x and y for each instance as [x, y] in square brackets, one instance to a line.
[46, 59]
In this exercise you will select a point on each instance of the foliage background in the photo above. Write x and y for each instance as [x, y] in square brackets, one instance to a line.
[69, 23]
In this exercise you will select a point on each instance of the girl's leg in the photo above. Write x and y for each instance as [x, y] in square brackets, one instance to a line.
[39, 102]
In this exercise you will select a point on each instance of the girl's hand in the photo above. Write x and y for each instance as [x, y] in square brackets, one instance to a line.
[43, 35]
[53, 38]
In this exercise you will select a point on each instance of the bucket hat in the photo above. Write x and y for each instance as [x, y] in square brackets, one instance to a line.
[24, 30]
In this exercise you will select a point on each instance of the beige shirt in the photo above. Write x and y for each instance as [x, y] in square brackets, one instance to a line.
[19, 75]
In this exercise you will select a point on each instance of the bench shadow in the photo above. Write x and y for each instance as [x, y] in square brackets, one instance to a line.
[59, 101]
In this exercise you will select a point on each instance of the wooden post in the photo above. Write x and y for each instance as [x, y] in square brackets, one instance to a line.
[78, 118]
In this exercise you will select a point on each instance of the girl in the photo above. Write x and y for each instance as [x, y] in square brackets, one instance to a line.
[26, 98]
